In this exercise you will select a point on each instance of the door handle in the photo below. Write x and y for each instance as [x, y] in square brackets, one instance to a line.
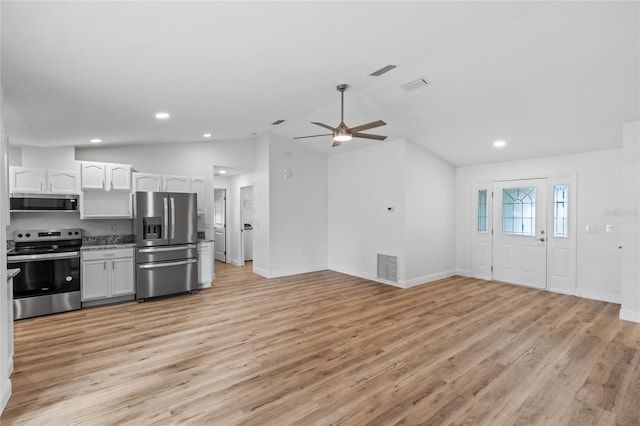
[542, 239]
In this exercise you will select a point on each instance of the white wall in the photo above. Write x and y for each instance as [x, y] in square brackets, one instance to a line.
[430, 227]
[630, 309]
[5, 382]
[261, 231]
[59, 158]
[600, 196]
[419, 187]
[297, 206]
[363, 184]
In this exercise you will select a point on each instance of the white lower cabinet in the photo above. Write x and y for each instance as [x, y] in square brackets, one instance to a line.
[205, 264]
[107, 276]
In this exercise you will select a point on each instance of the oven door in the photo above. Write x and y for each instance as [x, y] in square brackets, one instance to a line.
[42, 274]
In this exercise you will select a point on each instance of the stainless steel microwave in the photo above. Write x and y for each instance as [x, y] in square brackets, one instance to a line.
[43, 203]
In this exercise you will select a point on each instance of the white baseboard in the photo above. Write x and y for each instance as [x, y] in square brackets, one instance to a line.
[233, 261]
[6, 394]
[428, 278]
[563, 291]
[288, 272]
[628, 315]
[401, 283]
[464, 273]
[598, 295]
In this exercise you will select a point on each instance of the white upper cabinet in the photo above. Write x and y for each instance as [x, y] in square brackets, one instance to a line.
[30, 180]
[105, 176]
[197, 186]
[147, 182]
[119, 177]
[63, 182]
[177, 184]
[23, 179]
[92, 175]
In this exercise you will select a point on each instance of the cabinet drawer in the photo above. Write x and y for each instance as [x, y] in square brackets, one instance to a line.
[107, 254]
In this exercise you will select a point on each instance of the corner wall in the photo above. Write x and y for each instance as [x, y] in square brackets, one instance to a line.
[297, 209]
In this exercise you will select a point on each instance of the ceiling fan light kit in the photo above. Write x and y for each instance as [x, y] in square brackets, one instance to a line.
[342, 133]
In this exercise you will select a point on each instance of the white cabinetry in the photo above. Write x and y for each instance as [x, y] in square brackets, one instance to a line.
[105, 176]
[107, 276]
[147, 182]
[106, 190]
[29, 180]
[205, 264]
[197, 186]
[176, 183]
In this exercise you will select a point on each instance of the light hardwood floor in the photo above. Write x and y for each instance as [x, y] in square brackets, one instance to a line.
[326, 348]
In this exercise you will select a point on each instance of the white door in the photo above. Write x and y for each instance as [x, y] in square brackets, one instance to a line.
[520, 232]
[220, 224]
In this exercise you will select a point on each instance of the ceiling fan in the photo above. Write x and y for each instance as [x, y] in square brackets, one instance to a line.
[342, 133]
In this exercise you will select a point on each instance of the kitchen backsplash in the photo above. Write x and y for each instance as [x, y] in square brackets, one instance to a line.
[100, 240]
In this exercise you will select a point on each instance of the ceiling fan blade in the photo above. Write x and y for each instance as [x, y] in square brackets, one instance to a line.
[366, 136]
[313, 136]
[368, 126]
[324, 125]
[336, 143]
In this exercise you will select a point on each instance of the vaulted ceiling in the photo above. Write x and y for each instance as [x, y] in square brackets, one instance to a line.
[549, 78]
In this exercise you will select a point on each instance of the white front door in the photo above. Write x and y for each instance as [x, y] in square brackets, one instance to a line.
[520, 232]
[220, 224]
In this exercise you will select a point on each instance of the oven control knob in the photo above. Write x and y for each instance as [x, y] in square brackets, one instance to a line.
[69, 278]
[27, 235]
[70, 233]
[76, 232]
[19, 235]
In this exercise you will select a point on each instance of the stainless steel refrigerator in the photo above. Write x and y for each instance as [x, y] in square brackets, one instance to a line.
[165, 228]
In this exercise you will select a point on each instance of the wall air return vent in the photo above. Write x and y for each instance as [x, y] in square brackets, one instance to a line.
[382, 71]
[415, 85]
[388, 268]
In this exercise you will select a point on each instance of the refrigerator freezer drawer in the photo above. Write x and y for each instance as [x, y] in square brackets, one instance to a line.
[164, 278]
[166, 253]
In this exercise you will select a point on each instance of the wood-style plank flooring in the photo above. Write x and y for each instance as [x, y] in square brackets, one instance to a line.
[326, 348]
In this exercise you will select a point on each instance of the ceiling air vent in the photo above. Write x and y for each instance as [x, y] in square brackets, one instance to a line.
[415, 85]
[275, 123]
[382, 71]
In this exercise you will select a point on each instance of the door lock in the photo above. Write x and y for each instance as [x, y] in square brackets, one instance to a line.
[541, 239]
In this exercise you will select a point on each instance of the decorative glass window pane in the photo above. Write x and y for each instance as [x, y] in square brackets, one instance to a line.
[519, 211]
[560, 211]
[482, 210]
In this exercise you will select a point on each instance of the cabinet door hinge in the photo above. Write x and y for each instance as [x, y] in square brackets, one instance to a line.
[491, 268]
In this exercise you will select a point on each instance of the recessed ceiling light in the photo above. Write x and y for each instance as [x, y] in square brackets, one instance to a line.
[499, 144]
[223, 172]
[95, 140]
[162, 115]
[206, 135]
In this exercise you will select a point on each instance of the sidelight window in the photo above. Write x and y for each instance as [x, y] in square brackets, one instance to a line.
[519, 211]
[483, 209]
[560, 211]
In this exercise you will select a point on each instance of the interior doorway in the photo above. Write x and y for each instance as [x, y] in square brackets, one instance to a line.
[246, 223]
[220, 224]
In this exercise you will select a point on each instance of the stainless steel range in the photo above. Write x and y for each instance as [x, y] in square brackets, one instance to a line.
[49, 279]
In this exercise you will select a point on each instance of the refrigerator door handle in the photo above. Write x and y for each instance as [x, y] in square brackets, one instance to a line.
[170, 248]
[173, 218]
[166, 264]
[166, 216]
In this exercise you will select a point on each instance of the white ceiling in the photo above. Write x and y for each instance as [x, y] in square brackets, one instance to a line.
[548, 77]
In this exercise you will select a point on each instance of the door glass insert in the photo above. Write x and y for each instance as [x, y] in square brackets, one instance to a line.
[482, 210]
[560, 212]
[519, 211]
